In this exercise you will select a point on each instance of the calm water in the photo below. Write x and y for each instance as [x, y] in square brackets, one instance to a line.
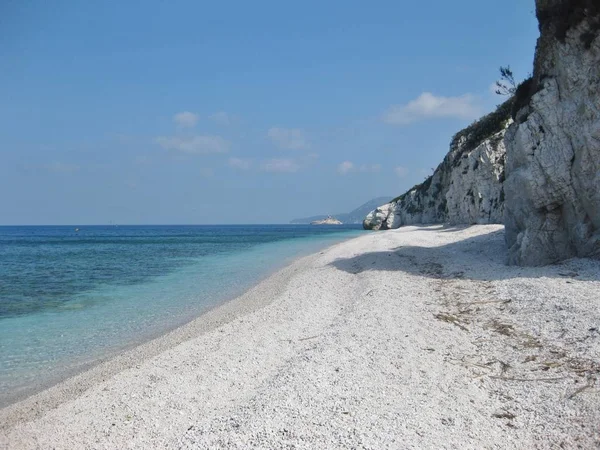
[69, 298]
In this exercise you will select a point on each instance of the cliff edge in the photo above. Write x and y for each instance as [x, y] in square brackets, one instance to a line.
[552, 187]
[465, 188]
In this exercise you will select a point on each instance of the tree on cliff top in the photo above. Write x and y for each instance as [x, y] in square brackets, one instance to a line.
[506, 85]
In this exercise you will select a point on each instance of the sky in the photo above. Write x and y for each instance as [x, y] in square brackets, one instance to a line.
[194, 112]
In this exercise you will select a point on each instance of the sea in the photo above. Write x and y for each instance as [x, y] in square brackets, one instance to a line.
[70, 297]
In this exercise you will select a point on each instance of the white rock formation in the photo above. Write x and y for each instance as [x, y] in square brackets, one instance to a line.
[465, 188]
[327, 221]
[553, 148]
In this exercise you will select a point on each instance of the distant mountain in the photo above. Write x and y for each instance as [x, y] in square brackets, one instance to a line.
[355, 216]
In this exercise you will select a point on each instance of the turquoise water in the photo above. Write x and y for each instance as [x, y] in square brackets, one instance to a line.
[70, 298]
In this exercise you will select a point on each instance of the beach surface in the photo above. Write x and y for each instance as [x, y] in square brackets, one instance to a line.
[419, 337]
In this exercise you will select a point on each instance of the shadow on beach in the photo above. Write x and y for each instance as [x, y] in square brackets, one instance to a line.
[480, 257]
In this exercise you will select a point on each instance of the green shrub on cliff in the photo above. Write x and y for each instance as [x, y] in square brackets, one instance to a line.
[482, 129]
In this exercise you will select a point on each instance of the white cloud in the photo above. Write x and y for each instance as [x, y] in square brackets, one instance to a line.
[401, 171]
[288, 138]
[194, 144]
[59, 167]
[348, 166]
[345, 167]
[221, 118]
[185, 119]
[372, 168]
[239, 163]
[280, 165]
[428, 106]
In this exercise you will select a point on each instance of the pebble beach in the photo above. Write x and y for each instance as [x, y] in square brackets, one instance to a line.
[419, 337]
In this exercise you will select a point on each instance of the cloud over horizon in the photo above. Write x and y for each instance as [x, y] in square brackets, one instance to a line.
[239, 163]
[194, 144]
[185, 119]
[348, 166]
[280, 165]
[288, 138]
[345, 167]
[429, 106]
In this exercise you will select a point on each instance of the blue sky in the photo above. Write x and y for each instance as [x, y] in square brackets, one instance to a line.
[238, 112]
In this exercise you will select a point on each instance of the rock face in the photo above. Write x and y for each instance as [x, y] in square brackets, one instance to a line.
[465, 188]
[328, 221]
[552, 183]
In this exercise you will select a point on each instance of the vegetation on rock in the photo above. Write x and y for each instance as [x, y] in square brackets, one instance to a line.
[480, 130]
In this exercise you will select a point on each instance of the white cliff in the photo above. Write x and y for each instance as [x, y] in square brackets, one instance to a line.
[465, 188]
[553, 149]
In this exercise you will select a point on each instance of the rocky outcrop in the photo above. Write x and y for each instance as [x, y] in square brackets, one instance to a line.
[552, 183]
[465, 188]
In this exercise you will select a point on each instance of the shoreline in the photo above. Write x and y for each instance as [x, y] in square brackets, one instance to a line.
[124, 350]
[35, 401]
[416, 337]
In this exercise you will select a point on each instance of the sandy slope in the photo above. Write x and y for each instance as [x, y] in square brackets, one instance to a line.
[412, 338]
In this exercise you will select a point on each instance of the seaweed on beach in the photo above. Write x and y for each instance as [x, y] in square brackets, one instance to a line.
[452, 319]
